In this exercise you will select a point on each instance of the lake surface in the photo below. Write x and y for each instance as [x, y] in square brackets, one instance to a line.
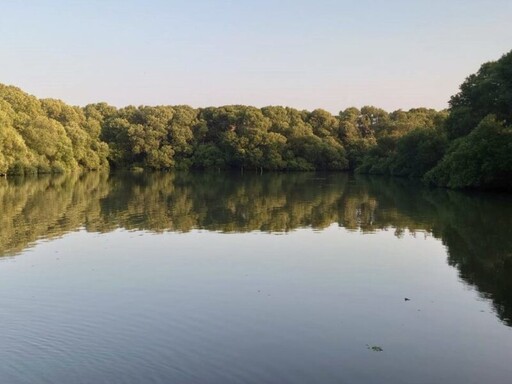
[273, 278]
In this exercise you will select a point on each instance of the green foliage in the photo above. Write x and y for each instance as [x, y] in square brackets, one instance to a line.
[407, 144]
[480, 126]
[271, 138]
[207, 156]
[489, 91]
[45, 136]
[417, 152]
[482, 159]
[415, 143]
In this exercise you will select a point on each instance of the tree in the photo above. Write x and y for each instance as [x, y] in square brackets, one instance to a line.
[489, 91]
[418, 152]
[482, 159]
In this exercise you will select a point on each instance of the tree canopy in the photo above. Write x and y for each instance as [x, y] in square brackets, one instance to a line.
[466, 146]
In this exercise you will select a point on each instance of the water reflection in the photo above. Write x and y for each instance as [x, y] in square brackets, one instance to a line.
[474, 227]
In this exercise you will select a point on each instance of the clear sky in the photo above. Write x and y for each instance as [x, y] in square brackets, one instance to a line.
[300, 53]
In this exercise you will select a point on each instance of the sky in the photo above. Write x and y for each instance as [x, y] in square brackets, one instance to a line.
[303, 54]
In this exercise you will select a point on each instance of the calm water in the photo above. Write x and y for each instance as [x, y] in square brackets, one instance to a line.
[222, 278]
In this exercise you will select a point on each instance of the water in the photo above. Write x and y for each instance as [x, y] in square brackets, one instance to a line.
[224, 278]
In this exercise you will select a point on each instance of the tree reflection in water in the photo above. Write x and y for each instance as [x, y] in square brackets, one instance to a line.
[475, 228]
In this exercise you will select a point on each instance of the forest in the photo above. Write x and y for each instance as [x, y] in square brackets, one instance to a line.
[469, 145]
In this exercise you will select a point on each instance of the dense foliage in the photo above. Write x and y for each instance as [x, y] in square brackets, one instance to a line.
[481, 159]
[43, 136]
[49, 136]
[270, 138]
[471, 148]
[466, 146]
[480, 125]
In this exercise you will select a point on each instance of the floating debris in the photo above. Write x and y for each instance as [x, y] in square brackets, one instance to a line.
[374, 348]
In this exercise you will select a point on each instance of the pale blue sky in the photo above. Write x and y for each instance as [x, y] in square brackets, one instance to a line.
[305, 54]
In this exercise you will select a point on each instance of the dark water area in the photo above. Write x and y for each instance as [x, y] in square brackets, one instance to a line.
[272, 278]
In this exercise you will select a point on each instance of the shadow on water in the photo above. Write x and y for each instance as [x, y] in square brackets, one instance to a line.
[475, 228]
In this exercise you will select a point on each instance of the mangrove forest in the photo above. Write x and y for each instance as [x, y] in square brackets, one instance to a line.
[469, 145]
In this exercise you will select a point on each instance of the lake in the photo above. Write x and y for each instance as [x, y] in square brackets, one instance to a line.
[272, 278]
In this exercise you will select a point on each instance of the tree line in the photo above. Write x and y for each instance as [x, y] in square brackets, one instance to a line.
[468, 145]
